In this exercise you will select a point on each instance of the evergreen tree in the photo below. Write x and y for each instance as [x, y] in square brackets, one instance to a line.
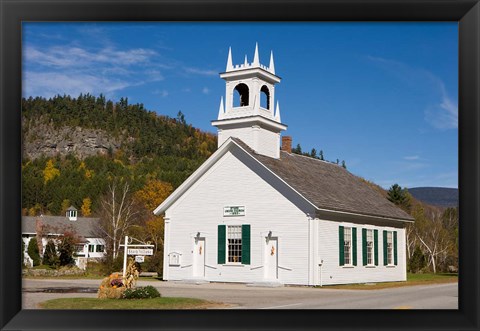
[344, 165]
[50, 256]
[67, 247]
[33, 252]
[313, 153]
[417, 262]
[399, 196]
[321, 155]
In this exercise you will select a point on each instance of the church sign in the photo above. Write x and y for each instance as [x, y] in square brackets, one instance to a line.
[234, 211]
[140, 251]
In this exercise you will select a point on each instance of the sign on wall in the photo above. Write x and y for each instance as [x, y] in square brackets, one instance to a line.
[234, 211]
[140, 251]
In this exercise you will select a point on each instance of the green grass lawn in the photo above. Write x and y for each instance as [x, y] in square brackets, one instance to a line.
[157, 303]
[412, 279]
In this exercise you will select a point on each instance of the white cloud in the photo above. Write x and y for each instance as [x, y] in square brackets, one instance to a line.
[49, 84]
[441, 113]
[162, 93]
[73, 70]
[205, 90]
[202, 72]
[411, 158]
[70, 56]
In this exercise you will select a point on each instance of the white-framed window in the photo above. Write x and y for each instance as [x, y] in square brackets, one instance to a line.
[347, 246]
[234, 244]
[389, 248]
[370, 247]
[100, 248]
[91, 248]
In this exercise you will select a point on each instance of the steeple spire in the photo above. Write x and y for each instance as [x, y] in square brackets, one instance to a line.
[221, 110]
[271, 66]
[277, 113]
[256, 58]
[229, 60]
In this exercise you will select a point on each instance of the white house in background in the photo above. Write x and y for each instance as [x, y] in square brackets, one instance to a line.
[256, 212]
[51, 227]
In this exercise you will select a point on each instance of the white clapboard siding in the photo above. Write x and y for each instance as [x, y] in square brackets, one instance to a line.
[232, 182]
[333, 273]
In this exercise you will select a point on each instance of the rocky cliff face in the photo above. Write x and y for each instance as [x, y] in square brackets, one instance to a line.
[44, 139]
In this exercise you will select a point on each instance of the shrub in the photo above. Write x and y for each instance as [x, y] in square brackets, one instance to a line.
[67, 247]
[33, 252]
[147, 292]
[50, 256]
[155, 263]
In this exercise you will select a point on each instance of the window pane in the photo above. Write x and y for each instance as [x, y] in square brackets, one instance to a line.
[347, 237]
[234, 239]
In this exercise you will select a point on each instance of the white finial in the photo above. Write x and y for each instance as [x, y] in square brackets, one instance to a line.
[271, 66]
[277, 113]
[221, 110]
[245, 63]
[229, 60]
[256, 59]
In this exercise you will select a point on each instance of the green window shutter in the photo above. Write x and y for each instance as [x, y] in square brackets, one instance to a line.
[354, 243]
[341, 246]
[222, 234]
[395, 259]
[375, 245]
[364, 246]
[246, 244]
[385, 248]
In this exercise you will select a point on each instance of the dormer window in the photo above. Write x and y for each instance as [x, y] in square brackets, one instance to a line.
[72, 213]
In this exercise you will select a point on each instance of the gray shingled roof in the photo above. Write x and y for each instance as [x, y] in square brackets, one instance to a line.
[83, 226]
[328, 186]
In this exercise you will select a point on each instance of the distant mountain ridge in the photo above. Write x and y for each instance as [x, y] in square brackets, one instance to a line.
[437, 196]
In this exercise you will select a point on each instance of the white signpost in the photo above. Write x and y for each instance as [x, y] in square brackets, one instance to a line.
[135, 251]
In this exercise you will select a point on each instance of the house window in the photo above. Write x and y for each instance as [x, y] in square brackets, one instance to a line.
[347, 246]
[370, 247]
[234, 243]
[100, 248]
[91, 248]
[389, 248]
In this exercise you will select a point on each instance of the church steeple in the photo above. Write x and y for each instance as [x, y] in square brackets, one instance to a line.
[248, 112]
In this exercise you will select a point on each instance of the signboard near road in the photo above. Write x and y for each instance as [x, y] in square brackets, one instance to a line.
[140, 251]
[140, 258]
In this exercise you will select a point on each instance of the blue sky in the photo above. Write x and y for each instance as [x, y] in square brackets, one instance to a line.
[381, 96]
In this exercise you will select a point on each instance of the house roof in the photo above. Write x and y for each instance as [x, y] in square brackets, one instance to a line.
[71, 208]
[84, 226]
[324, 185]
[327, 185]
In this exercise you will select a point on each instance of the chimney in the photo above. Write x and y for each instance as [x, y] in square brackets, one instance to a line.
[287, 144]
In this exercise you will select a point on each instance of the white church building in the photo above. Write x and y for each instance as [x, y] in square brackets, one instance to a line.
[255, 212]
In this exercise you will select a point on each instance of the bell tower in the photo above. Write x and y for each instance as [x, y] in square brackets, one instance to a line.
[248, 112]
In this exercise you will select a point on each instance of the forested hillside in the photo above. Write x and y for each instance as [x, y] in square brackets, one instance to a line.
[73, 148]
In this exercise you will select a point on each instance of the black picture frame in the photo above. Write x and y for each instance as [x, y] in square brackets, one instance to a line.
[14, 12]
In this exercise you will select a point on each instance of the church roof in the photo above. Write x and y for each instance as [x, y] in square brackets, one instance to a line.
[84, 226]
[327, 185]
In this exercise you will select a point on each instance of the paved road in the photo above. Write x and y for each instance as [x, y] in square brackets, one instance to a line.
[239, 296]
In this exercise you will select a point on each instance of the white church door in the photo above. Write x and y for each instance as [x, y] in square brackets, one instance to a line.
[271, 259]
[199, 257]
